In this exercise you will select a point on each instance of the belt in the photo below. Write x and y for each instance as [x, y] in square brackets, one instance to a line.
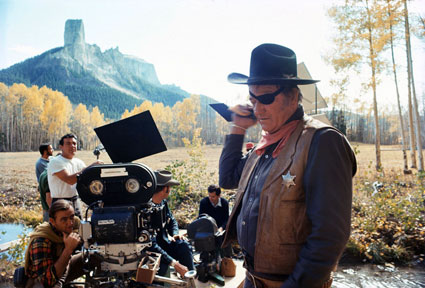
[260, 282]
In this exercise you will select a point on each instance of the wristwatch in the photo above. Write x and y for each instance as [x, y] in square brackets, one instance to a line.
[173, 263]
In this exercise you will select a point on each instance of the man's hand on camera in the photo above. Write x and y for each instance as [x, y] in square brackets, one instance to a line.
[98, 162]
[178, 237]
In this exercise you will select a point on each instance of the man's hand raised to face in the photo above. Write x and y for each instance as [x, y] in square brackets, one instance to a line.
[71, 241]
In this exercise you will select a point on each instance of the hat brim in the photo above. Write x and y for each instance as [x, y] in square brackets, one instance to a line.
[172, 182]
[237, 78]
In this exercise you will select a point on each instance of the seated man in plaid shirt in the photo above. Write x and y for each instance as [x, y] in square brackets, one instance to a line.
[49, 261]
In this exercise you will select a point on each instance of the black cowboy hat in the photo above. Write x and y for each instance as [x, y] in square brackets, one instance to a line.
[271, 64]
[165, 178]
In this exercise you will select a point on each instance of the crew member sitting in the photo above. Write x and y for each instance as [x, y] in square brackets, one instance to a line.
[218, 208]
[175, 250]
[48, 260]
[215, 206]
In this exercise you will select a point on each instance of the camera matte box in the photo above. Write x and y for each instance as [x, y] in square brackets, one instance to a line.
[131, 138]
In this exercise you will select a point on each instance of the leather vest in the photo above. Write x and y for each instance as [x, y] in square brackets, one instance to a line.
[283, 226]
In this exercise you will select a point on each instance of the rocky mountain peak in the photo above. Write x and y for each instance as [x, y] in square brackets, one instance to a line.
[74, 33]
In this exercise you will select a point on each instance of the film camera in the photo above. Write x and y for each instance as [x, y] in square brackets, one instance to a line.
[207, 240]
[123, 221]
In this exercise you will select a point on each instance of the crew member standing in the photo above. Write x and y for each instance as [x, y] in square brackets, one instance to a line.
[63, 170]
[46, 150]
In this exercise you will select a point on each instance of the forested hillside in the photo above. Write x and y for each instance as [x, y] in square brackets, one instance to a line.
[81, 87]
[32, 115]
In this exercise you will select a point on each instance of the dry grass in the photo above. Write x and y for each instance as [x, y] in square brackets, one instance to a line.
[18, 173]
[18, 186]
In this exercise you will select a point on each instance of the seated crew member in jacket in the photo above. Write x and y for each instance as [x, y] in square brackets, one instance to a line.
[292, 210]
[48, 260]
[215, 206]
[175, 250]
[218, 208]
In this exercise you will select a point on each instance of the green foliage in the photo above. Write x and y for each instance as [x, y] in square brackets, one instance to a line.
[388, 225]
[13, 258]
[193, 180]
[17, 251]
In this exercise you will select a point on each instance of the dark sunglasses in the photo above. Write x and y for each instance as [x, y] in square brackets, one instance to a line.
[268, 98]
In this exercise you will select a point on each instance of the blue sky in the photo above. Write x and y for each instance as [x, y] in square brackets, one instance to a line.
[194, 44]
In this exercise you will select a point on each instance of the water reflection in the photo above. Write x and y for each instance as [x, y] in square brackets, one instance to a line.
[10, 231]
[377, 276]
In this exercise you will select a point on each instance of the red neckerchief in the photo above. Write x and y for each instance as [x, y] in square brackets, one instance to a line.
[282, 134]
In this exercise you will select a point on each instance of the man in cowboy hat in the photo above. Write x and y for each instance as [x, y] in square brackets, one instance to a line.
[175, 250]
[292, 211]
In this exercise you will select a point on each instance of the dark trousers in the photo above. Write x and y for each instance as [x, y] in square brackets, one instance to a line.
[179, 250]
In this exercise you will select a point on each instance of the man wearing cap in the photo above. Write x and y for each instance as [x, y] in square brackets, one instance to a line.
[292, 211]
[175, 250]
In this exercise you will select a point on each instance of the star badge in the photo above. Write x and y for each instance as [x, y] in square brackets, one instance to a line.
[288, 179]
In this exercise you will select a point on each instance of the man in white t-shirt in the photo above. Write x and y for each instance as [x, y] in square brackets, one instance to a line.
[63, 171]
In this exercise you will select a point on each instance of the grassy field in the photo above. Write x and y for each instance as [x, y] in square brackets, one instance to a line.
[18, 186]
[18, 172]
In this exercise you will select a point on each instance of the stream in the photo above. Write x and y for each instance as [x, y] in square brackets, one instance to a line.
[378, 276]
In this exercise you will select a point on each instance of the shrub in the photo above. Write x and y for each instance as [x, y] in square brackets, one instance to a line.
[388, 224]
[194, 179]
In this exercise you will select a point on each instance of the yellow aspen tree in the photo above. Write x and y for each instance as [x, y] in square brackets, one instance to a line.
[80, 125]
[176, 134]
[163, 118]
[187, 115]
[16, 94]
[32, 107]
[145, 106]
[221, 126]
[56, 114]
[126, 114]
[360, 41]
[4, 92]
[96, 119]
